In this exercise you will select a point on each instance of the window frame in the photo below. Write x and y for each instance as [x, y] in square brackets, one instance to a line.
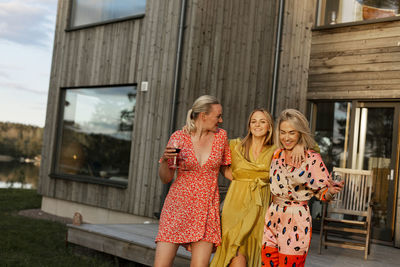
[58, 139]
[70, 28]
[349, 24]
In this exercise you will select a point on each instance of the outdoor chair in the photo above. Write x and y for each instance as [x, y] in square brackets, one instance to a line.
[349, 214]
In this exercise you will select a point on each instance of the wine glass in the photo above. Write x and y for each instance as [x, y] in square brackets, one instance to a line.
[336, 178]
[176, 145]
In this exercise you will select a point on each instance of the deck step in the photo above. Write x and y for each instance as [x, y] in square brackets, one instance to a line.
[134, 242]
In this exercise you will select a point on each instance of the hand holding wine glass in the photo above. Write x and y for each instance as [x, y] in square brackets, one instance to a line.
[171, 152]
[337, 180]
[176, 149]
[337, 183]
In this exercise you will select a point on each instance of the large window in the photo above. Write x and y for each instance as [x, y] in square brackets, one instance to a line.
[343, 11]
[92, 12]
[96, 132]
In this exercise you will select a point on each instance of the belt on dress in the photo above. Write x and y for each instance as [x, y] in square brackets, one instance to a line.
[256, 185]
[287, 202]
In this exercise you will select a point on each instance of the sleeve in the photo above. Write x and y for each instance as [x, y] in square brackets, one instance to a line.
[226, 155]
[277, 154]
[233, 143]
[176, 136]
[320, 177]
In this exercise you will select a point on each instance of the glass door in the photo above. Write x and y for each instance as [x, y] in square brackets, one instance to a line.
[374, 147]
[362, 135]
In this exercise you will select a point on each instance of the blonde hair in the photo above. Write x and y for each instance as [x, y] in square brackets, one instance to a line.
[246, 142]
[300, 124]
[202, 104]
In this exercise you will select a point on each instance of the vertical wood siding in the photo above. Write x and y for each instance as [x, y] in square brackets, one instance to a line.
[356, 62]
[228, 51]
[299, 17]
[118, 53]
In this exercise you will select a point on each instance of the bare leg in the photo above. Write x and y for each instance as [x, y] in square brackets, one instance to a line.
[201, 253]
[165, 254]
[238, 261]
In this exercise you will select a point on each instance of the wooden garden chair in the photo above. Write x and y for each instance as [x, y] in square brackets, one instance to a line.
[354, 203]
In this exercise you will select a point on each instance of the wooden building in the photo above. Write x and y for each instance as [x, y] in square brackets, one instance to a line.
[123, 78]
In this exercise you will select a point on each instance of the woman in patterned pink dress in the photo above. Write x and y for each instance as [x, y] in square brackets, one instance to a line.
[287, 229]
[190, 215]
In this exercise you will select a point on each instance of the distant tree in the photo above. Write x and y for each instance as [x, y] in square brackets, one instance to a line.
[20, 140]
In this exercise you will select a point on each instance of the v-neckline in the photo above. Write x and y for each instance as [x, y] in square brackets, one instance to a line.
[252, 158]
[194, 152]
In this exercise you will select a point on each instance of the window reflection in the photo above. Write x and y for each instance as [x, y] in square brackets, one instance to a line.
[332, 136]
[331, 132]
[377, 157]
[86, 12]
[342, 11]
[96, 132]
[378, 145]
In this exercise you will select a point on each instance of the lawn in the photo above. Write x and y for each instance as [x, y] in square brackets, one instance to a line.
[33, 242]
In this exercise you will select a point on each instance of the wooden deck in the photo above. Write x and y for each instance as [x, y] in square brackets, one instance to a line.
[135, 242]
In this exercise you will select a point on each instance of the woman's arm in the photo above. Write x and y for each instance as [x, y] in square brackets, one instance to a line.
[298, 155]
[335, 188]
[322, 183]
[226, 172]
[166, 174]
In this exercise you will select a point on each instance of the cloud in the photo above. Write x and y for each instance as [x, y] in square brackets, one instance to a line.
[4, 74]
[28, 22]
[19, 87]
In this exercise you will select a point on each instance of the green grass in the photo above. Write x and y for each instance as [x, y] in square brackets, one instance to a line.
[33, 242]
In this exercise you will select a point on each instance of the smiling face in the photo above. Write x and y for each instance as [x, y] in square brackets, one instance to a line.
[259, 124]
[213, 118]
[288, 135]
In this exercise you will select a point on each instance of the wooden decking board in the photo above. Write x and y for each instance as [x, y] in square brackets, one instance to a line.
[133, 242]
[117, 239]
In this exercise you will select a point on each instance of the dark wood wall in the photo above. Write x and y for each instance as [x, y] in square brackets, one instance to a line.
[356, 62]
[118, 53]
[228, 51]
[299, 18]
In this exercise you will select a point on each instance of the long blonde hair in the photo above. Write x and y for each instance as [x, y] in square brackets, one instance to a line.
[300, 123]
[202, 104]
[246, 142]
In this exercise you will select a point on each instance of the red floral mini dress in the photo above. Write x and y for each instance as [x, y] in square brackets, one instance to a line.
[191, 208]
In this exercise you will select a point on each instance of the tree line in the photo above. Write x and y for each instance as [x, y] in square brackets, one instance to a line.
[20, 140]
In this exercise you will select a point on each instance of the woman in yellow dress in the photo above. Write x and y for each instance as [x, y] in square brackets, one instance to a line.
[248, 196]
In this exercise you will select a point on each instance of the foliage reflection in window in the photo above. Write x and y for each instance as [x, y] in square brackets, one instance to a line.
[87, 12]
[342, 11]
[96, 132]
[332, 132]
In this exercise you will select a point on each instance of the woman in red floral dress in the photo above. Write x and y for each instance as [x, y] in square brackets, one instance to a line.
[190, 215]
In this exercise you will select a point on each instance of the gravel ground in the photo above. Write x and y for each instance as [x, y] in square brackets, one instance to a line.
[39, 214]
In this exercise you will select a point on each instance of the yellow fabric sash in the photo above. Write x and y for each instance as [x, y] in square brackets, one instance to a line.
[256, 185]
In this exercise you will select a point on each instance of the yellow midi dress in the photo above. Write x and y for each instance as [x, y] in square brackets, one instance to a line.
[246, 202]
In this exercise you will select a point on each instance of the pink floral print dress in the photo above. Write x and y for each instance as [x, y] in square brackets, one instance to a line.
[287, 229]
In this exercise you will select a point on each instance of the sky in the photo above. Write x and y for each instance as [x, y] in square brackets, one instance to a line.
[26, 47]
